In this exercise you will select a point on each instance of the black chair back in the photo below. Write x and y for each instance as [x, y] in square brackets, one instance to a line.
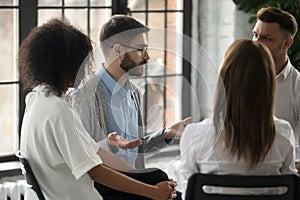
[195, 189]
[29, 176]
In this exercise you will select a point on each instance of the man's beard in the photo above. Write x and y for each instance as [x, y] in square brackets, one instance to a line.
[129, 66]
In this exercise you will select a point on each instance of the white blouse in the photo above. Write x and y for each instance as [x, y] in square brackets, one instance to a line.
[57, 146]
[202, 150]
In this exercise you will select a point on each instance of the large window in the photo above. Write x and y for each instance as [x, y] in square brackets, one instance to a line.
[161, 85]
[9, 86]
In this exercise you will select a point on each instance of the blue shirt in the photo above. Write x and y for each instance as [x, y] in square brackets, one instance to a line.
[123, 113]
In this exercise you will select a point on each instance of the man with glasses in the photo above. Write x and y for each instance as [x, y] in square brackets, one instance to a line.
[109, 104]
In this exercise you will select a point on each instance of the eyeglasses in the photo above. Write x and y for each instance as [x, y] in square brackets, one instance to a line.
[142, 50]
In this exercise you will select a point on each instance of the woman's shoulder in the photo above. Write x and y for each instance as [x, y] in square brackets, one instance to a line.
[281, 124]
[199, 130]
[200, 126]
[199, 138]
[283, 128]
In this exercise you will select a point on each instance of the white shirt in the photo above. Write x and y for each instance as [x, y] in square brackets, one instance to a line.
[287, 100]
[57, 147]
[201, 153]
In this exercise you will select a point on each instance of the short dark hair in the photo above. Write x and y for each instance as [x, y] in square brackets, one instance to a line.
[52, 54]
[120, 28]
[285, 20]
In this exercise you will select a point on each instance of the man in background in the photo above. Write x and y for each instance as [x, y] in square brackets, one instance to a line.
[276, 29]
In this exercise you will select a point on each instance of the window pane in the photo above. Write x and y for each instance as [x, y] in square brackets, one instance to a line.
[100, 2]
[156, 5]
[46, 14]
[49, 2]
[75, 2]
[156, 64]
[175, 4]
[152, 94]
[156, 37]
[78, 17]
[157, 50]
[8, 40]
[173, 55]
[140, 17]
[156, 20]
[9, 3]
[8, 119]
[174, 21]
[98, 17]
[136, 5]
[173, 100]
[155, 104]
[174, 51]
[174, 63]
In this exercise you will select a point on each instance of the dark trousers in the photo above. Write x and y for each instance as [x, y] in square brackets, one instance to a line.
[178, 195]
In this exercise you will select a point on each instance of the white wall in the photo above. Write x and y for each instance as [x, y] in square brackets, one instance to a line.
[215, 25]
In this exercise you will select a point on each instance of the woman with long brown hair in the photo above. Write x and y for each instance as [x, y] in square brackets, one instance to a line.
[243, 136]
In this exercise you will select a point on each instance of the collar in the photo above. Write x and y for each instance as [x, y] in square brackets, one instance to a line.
[285, 71]
[110, 83]
[49, 90]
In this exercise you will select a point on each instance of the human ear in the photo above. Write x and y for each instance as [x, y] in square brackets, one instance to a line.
[288, 43]
[117, 49]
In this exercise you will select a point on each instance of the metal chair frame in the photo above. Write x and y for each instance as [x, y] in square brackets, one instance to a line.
[29, 176]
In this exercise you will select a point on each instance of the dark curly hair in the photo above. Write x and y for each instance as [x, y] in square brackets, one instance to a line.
[52, 54]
